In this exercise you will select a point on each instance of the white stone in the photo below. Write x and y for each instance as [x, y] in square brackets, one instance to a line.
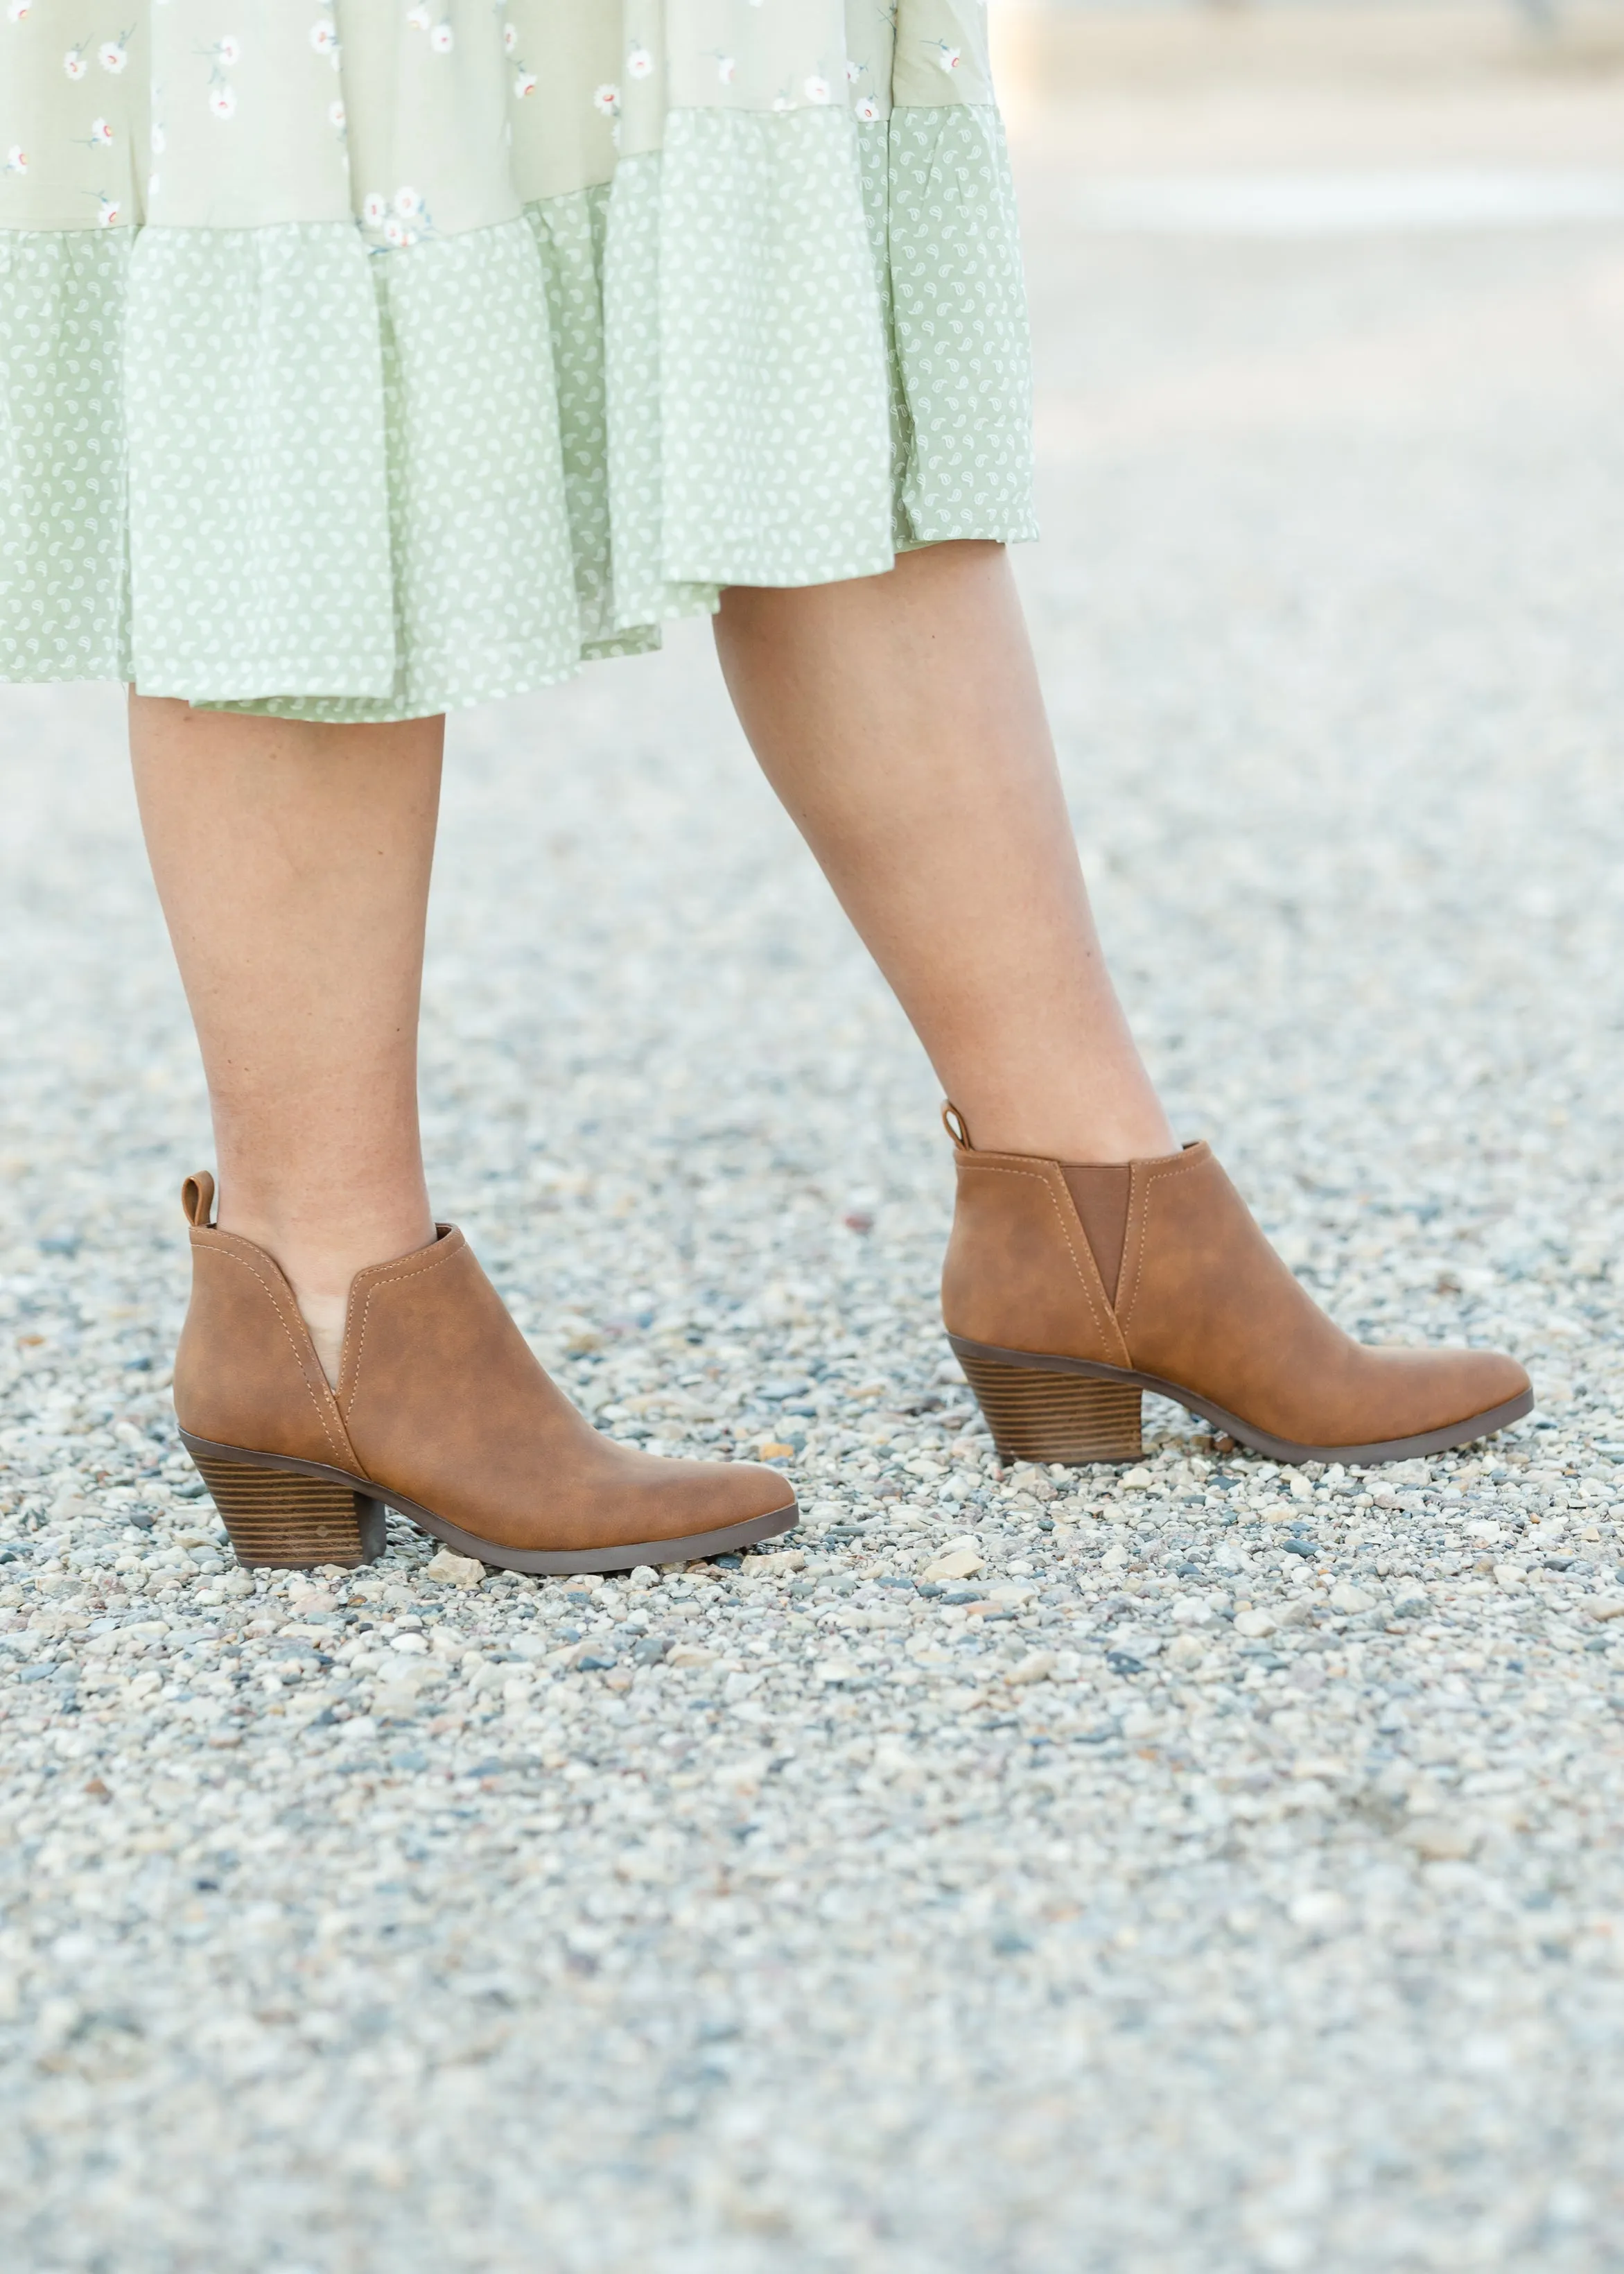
[1511, 1577]
[1347, 1598]
[1252, 1625]
[1317, 1909]
[957, 1563]
[690, 1653]
[643, 1867]
[453, 1570]
[1036, 1667]
[1440, 1838]
[1192, 1611]
[413, 1643]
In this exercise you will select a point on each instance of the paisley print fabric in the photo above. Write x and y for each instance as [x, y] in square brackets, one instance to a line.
[360, 359]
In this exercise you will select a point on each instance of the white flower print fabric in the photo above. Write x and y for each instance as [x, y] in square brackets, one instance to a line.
[364, 358]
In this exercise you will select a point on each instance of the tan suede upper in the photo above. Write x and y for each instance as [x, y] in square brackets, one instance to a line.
[440, 1399]
[1200, 1300]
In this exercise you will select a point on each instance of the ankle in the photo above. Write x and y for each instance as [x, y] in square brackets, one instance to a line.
[1077, 1139]
[324, 1316]
[318, 1252]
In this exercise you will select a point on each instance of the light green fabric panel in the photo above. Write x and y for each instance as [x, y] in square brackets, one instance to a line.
[632, 346]
[365, 485]
[63, 582]
[478, 524]
[75, 133]
[631, 324]
[259, 504]
[874, 158]
[960, 343]
[484, 566]
[418, 118]
[940, 51]
[571, 233]
[773, 419]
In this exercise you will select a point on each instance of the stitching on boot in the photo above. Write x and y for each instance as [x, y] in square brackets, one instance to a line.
[1153, 1175]
[416, 1272]
[326, 1427]
[989, 1169]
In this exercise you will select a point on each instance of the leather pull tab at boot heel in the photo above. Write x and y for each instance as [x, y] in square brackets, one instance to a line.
[280, 1520]
[1035, 1414]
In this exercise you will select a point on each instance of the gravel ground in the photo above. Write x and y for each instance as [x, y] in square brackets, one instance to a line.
[1216, 1869]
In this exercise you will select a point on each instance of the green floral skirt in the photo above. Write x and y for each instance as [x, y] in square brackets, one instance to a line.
[361, 358]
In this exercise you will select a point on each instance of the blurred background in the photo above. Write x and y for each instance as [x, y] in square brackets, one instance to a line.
[1277, 166]
[1135, 85]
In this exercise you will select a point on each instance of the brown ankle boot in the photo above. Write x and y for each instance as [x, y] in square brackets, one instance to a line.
[1069, 1291]
[441, 1412]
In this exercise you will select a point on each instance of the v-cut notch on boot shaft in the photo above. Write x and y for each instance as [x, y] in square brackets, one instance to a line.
[1101, 1196]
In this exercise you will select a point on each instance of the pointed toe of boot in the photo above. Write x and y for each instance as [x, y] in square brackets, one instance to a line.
[1497, 1379]
[734, 1497]
[1431, 1399]
[644, 1508]
[747, 1489]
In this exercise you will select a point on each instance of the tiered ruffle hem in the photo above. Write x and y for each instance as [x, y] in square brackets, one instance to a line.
[368, 466]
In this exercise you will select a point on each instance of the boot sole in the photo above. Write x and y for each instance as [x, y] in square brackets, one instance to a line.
[287, 1515]
[1073, 1409]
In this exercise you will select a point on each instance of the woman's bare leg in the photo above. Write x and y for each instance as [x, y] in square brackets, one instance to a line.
[900, 720]
[293, 863]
